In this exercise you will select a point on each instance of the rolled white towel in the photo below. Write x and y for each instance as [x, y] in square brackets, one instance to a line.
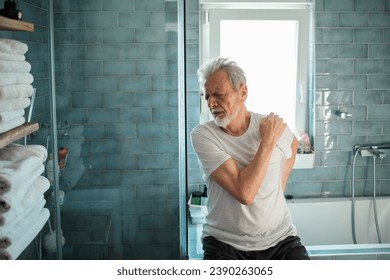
[16, 91]
[4, 242]
[7, 227]
[16, 176]
[16, 152]
[23, 233]
[11, 78]
[15, 66]
[13, 46]
[12, 57]
[4, 231]
[10, 115]
[16, 194]
[12, 124]
[20, 208]
[15, 103]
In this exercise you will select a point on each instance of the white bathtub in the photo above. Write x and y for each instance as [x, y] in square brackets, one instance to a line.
[324, 224]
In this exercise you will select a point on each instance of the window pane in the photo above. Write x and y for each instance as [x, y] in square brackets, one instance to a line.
[267, 51]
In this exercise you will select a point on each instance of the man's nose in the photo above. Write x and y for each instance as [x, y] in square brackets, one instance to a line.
[212, 102]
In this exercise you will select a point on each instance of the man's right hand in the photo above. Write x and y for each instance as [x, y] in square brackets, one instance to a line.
[271, 128]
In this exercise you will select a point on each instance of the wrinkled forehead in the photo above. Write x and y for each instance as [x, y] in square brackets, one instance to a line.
[217, 79]
[222, 84]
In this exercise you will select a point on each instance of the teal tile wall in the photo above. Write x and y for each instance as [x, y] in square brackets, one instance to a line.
[116, 80]
[351, 54]
[352, 74]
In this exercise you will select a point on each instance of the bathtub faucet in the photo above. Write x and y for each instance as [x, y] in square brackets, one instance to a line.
[372, 152]
[378, 153]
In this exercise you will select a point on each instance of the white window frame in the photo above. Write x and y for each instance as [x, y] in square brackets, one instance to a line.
[213, 11]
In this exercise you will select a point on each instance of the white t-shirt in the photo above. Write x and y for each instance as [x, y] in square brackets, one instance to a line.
[246, 227]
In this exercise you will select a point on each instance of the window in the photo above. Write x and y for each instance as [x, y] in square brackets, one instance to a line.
[273, 42]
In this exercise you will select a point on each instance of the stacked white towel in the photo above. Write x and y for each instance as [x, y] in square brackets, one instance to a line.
[19, 167]
[22, 189]
[15, 83]
[24, 232]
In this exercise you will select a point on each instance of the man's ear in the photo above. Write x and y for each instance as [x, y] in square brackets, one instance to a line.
[244, 92]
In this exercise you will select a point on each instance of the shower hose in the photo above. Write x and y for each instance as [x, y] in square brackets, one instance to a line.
[353, 199]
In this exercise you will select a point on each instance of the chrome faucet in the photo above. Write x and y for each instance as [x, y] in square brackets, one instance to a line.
[378, 153]
[372, 152]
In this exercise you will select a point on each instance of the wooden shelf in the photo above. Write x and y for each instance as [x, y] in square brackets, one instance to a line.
[17, 133]
[15, 25]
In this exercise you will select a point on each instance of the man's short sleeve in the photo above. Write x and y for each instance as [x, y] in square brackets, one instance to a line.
[284, 142]
[208, 149]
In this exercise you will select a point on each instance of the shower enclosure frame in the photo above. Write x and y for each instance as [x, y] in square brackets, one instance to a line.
[54, 142]
[182, 129]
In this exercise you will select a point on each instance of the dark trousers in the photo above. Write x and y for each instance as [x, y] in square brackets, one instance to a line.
[287, 249]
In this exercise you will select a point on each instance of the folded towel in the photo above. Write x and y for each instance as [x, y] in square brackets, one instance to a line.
[16, 152]
[13, 46]
[11, 78]
[23, 233]
[15, 66]
[18, 191]
[14, 103]
[12, 124]
[9, 225]
[12, 57]
[4, 242]
[16, 91]
[16, 174]
[10, 115]
[21, 207]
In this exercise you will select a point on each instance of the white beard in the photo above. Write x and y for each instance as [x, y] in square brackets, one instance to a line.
[224, 122]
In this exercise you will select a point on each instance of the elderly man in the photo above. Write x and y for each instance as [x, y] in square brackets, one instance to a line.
[246, 159]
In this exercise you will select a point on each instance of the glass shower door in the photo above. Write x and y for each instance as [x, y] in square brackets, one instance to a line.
[117, 102]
